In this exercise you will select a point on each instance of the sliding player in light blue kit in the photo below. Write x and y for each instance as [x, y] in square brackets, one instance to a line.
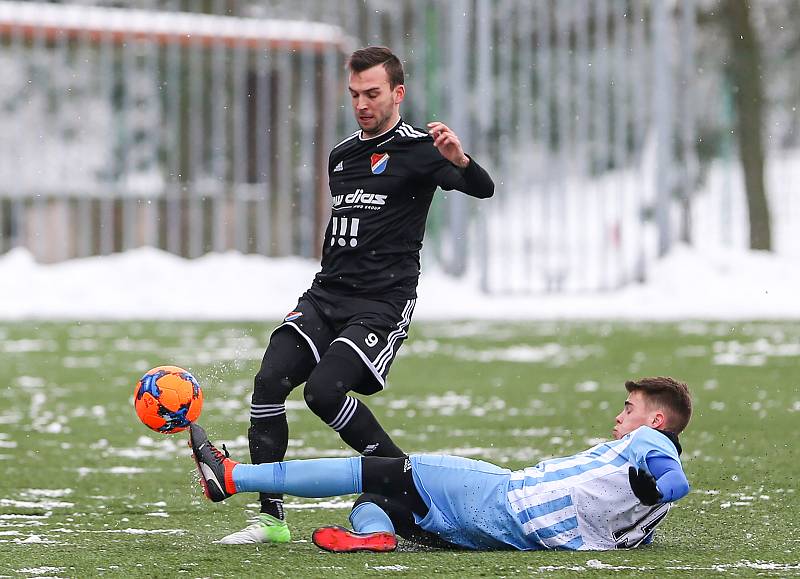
[610, 496]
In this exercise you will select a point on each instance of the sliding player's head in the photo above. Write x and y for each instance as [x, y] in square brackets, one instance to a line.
[376, 89]
[661, 402]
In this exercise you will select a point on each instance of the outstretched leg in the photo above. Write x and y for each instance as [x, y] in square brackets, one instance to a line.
[222, 477]
[388, 506]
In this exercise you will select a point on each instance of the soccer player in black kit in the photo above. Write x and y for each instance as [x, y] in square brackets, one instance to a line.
[347, 328]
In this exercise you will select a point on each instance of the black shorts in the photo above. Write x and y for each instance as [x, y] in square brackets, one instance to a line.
[374, 329]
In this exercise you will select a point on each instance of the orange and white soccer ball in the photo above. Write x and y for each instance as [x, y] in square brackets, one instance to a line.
[168, 399]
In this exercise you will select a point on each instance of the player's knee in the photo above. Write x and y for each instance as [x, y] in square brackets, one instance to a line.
[326, 390]
[324, 397]
[270, 386]
[286, 364]
[282, 368]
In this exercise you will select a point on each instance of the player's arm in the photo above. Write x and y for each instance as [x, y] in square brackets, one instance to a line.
[463, 172]
[666, 481]
[670, 478]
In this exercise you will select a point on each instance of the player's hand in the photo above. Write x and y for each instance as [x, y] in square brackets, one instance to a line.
[446, 141]
[644, 486]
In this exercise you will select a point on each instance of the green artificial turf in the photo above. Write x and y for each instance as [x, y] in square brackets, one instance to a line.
[87, 490]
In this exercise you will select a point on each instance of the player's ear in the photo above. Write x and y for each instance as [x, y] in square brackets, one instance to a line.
[658, 420]
[399, 93]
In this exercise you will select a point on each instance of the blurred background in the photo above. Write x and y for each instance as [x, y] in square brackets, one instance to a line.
[615, 130]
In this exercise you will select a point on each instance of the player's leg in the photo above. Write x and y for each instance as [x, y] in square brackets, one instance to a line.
[386, 509]
[339, 371]
[389, 504]
[376, 522]
[222, 477]
[465, 498]
[372, 529]
[359, 360]
[287, 363]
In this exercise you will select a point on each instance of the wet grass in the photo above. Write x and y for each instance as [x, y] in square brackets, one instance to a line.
[87, 490]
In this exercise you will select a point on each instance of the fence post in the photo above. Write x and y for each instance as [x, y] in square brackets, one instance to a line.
[484, 112]
[457, 118]
[663, 115]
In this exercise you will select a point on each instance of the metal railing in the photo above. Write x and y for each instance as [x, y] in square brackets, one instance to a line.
[192, 132]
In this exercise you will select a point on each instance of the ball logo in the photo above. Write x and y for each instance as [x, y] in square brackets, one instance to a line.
[379, 162]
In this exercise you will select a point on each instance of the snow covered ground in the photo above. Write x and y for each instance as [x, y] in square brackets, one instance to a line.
[148, 284]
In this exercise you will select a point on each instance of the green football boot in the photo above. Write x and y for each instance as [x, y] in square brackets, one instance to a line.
[265, 529]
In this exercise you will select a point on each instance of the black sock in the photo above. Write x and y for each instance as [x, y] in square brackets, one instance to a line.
[272, 506]
[269, 438]
[363, 433]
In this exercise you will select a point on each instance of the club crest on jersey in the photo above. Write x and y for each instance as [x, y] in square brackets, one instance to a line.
[379, 162]
[291, 316]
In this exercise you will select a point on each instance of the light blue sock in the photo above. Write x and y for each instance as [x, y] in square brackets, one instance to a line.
[317, 477]
[370, 518]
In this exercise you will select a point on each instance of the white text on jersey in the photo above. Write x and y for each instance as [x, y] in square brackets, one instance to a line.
[358, 198]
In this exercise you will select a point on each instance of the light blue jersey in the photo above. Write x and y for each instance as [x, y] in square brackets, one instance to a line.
[581, 502]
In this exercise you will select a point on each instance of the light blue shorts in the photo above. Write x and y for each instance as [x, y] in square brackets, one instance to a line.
[467, 502]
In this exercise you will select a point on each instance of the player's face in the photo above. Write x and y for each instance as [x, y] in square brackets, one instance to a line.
[375, 104]
[637, 412]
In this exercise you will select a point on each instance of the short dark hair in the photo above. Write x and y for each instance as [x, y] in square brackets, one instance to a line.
[365, 58]
[668, 393]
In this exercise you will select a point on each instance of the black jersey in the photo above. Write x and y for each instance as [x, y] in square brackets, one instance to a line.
[381, 191]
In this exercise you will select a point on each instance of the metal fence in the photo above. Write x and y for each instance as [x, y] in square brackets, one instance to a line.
[194, 132]
[185, 131]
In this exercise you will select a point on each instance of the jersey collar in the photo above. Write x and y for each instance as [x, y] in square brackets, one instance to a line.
[384, 133]
[673, 438]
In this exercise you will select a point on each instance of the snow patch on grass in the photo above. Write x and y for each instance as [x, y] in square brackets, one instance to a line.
[551, 353]
[49, 493]
[84, 471]
[40, 570]
[328, 504]
[35, 504]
